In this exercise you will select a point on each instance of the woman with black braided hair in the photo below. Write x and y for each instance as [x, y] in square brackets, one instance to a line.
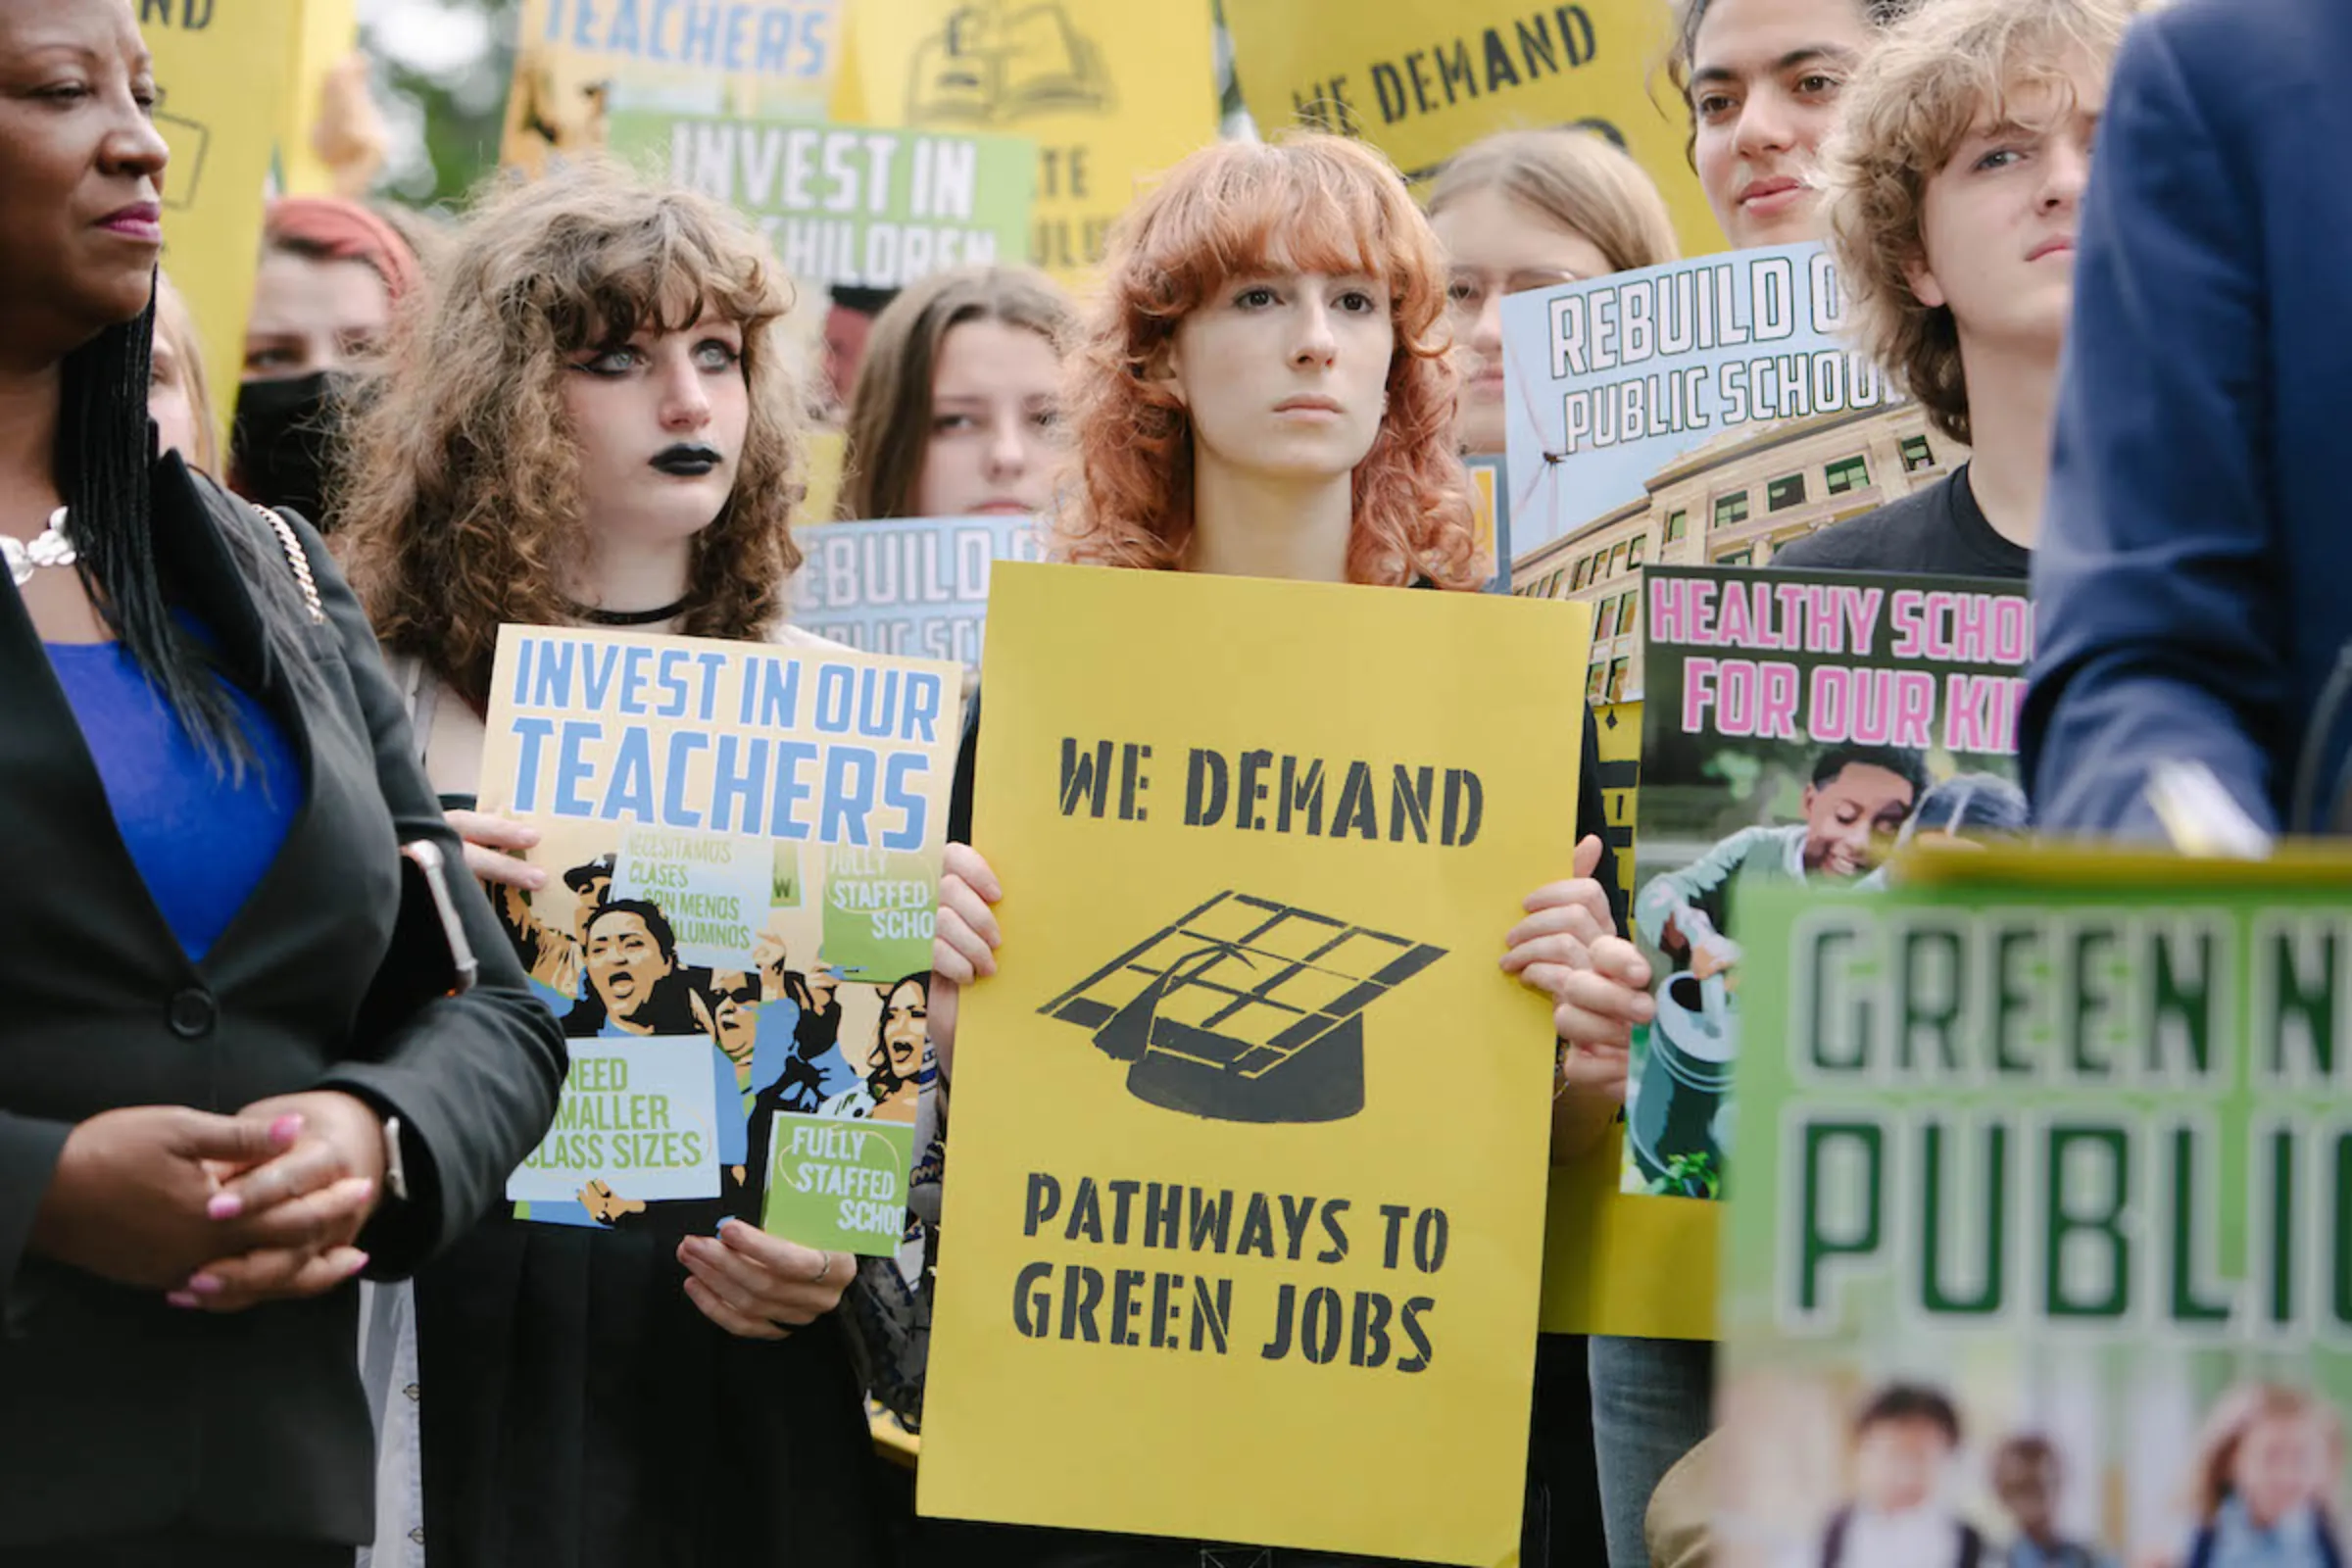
[205, 1134]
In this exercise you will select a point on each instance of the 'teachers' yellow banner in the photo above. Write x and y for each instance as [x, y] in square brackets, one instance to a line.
[1250, 1129]
[1422, 79]
[1111, 90]
[576, 60]
[223, 69]
[1614, 1263]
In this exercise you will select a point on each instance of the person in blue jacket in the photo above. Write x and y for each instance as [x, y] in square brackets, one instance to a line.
[2191, 572]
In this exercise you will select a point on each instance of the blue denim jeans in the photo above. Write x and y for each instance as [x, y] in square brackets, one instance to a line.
[1653, 1402]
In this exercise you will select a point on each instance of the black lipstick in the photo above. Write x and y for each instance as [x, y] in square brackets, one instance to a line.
[687, 460]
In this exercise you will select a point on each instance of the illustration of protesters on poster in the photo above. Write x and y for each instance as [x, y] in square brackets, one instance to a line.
[743, 845]
[1798, 728]
[2048, 1266]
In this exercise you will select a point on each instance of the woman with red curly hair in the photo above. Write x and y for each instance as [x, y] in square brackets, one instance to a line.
[1265, 389]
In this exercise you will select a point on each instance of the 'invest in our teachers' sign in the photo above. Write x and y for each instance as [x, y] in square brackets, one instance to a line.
[743, 845]
[1251, 1129]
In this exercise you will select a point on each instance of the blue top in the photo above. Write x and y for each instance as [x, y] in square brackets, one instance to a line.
[2066, 1554]
[2235, 1540]
[2189, 579]
[200, 841]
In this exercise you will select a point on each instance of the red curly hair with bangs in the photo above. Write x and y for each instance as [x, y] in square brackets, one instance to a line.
[1308, 202]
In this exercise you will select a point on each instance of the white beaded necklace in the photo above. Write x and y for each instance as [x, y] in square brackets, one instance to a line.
[51, 546]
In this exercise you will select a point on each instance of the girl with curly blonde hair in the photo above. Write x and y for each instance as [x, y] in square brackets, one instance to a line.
[591, 423]
[1265, 389]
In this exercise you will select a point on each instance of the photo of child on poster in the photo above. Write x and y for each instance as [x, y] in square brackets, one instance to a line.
[1825, 1471]
[1798, 728]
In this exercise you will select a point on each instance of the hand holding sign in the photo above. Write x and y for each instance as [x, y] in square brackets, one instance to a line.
[1568, 948]
[963, 944]
[491, 844]
[762, 1286]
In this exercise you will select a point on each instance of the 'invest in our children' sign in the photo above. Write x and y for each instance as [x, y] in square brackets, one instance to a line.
[853, 205]
[1252, 1128]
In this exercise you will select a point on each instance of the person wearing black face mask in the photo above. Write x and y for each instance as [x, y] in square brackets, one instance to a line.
[282, 440]
[332, 272]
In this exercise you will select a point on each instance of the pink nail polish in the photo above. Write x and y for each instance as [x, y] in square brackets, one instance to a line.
[182, 1299]
[204, 1285]
[286, 1128]
[224, 1206]
[356, 1267]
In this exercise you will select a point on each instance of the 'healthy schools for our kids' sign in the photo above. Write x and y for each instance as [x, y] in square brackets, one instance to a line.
[1800, 726]
[1613, 381]
[853, 205]
[1252, 1128]
[743, 845]
[2050, 1177]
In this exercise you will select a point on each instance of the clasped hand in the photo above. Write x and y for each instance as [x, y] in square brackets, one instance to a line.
[220, 1212]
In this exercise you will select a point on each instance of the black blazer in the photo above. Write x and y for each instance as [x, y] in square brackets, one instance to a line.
[118, 1413]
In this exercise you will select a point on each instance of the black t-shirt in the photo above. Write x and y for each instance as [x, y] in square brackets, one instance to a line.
[1938, 531]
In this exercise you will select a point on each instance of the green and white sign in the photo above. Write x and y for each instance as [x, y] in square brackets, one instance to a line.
[880, 908]
[860, 204]
[2042, 1221]
[837, 1184]
[713, 888]
[639, 1116]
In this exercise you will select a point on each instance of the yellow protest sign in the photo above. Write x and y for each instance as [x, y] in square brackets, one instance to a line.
[1422, 79]
[222, 72]
[828, 452]
[575, 59]
[1613, 1263]
[1110, 90]
[328, 31]
[1250, 1125]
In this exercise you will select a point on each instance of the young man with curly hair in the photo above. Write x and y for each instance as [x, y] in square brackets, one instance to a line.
[1955, 187]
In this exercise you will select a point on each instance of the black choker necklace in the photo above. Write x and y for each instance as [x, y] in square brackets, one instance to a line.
[630, 617]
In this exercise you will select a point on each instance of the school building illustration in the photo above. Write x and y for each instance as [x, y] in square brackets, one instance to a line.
[1729, 502]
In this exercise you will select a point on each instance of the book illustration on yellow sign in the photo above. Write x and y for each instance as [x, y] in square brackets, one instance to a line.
[992, 64]
[1245, 1009]
[186, 139]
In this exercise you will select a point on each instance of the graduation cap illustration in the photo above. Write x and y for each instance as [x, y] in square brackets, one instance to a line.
[1245, 1009]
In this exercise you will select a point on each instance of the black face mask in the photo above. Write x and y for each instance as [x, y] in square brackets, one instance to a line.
[282, 441]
